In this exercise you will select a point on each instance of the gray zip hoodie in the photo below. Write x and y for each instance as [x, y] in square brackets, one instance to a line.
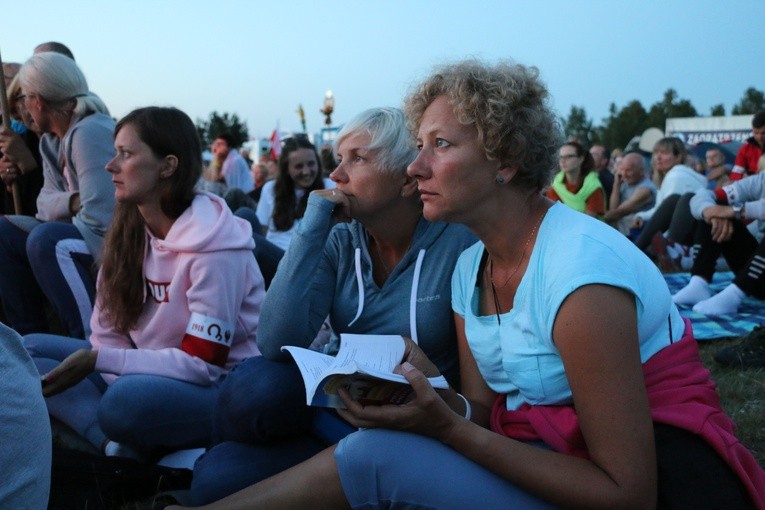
[328, 271]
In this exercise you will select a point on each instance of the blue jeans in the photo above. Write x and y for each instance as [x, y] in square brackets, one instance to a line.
[264, 427]
[52, 259]
[381, 468]
[261, 401]
[230, 467]
[141, 411]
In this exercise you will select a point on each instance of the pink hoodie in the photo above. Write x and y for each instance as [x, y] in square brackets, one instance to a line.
[201, 304]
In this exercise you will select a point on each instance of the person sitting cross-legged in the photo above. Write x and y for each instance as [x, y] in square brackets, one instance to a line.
[723, 232]
[178, 302]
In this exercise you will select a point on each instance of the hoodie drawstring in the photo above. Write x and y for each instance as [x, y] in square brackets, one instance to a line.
[360, 283]
[412, 296]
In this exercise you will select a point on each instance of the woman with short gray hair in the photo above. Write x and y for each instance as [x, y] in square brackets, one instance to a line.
[362, 255]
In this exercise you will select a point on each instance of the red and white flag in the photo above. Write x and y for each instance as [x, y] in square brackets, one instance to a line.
[276, 143]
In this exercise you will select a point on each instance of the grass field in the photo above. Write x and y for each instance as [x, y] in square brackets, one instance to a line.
[743, 397]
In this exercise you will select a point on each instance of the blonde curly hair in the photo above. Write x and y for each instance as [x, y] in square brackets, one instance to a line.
[507, 104]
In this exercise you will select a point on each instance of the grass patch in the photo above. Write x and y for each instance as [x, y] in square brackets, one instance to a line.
[742, 393]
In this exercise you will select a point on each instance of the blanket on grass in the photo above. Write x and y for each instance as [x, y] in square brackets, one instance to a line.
[707, 327]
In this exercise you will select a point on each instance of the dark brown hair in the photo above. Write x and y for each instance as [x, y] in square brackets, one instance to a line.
[588, 163]
[286, 207]
[167, 131]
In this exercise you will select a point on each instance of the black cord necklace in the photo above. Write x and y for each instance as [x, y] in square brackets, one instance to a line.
[517, 266]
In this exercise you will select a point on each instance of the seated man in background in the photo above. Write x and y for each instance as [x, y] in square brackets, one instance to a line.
[722, 230]
[717, 172]
[750, 152]
[633, 191]
[231, 167]
[602, 158]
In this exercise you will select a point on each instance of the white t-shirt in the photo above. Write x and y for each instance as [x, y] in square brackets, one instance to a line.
[265, 211]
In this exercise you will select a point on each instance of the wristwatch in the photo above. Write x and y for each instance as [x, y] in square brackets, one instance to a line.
[737, 211]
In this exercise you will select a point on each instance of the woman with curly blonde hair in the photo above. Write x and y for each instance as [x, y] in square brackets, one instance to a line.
[582, 384]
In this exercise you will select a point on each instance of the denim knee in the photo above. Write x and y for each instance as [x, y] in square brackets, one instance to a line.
[33, 343]
[116, 411]
[261, 400]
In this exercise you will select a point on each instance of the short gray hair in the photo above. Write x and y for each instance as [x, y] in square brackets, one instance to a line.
[388, 134]
[58, 79]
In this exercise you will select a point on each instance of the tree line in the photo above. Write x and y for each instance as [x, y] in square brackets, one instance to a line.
[616, 130]
[632, 119]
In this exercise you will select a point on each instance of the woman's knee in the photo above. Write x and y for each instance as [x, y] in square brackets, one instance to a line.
[42, 239]
[261, 400]
[35, 343]
[117, 413]
[12, 240]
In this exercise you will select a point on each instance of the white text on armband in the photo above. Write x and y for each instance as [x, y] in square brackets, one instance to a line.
[208, 338]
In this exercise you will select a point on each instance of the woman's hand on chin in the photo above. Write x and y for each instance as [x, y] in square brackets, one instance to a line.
[342, 211]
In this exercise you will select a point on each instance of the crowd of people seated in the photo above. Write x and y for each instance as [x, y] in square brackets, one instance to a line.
[571, 381]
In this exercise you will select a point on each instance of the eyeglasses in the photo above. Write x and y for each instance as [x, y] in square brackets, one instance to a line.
[564, 157]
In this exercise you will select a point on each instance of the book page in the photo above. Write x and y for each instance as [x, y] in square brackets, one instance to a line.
[380, 353]
[362, 365]
[312, 365]
[438, 382]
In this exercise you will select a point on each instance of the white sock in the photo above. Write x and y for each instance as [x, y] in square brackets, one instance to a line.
[696, 290]
[726, 301]
[115, 449]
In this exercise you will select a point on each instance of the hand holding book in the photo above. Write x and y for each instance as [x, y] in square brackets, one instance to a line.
[364, 366]
[430, 413]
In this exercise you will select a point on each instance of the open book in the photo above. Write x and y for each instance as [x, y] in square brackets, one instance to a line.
[363, 366]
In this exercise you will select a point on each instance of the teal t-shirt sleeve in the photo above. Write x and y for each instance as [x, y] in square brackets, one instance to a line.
[461, 284]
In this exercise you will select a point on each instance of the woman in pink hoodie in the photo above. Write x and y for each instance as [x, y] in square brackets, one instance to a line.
[178, 301]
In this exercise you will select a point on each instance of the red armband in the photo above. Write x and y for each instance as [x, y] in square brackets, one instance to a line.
[208, 338]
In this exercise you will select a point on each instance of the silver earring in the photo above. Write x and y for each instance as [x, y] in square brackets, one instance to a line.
[500, 179]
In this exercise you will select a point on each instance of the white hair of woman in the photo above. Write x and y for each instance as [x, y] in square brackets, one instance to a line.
[387, 131]
[60, 82]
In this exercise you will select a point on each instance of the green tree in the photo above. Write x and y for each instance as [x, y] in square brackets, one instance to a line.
[669, 107]
[622, 125]
[578, 125]
[752, 102]
[217, 124]
[717, 110]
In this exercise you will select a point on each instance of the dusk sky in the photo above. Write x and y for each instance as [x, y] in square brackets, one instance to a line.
[261, 60]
